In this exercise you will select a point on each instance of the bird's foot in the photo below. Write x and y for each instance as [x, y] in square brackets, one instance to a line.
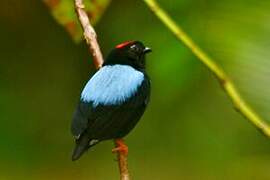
[121, 147]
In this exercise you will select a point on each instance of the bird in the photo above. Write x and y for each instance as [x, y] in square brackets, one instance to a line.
[113, 100]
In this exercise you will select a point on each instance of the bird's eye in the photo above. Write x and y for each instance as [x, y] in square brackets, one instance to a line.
[134, 48]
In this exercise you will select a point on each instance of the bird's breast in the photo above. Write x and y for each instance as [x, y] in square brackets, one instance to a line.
[112, 85]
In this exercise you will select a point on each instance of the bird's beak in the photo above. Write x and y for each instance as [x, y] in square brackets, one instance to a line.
[147, 50]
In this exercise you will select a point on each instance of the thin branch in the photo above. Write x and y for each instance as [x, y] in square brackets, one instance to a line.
[91, 39]
[89, 34]
[123, 166]
[122, 163]
[223, 78]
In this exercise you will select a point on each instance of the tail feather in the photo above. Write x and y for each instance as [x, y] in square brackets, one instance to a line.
[82, 145]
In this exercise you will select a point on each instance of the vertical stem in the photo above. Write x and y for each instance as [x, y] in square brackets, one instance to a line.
[122, 163]
[91, 40]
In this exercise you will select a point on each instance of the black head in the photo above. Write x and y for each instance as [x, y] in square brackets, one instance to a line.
[128, 53]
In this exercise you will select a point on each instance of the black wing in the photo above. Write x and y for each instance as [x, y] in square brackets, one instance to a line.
[107, 122]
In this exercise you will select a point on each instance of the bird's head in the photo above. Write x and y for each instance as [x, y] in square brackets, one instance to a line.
[128, 53]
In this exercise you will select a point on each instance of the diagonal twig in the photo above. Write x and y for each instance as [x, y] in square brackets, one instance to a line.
[91, 39]
[89, 34]
[240, 105]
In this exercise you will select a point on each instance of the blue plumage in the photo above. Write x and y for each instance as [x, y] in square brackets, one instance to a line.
[114, 99]
[112, 85]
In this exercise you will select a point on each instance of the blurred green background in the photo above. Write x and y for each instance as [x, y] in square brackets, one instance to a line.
[190, 130]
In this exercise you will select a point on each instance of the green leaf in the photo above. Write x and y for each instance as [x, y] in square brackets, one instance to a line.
[64, 13]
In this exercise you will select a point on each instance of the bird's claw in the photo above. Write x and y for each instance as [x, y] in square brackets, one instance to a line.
[121, 147]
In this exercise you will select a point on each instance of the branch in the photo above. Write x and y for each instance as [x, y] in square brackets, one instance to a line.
[222, 77]
[123, 166]
[89, 34]
[91, 39]
[122, 162]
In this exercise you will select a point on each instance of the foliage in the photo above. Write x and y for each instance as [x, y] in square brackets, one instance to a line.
[64, 14]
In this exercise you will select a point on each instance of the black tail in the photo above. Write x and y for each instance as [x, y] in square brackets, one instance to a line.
[82, 144]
